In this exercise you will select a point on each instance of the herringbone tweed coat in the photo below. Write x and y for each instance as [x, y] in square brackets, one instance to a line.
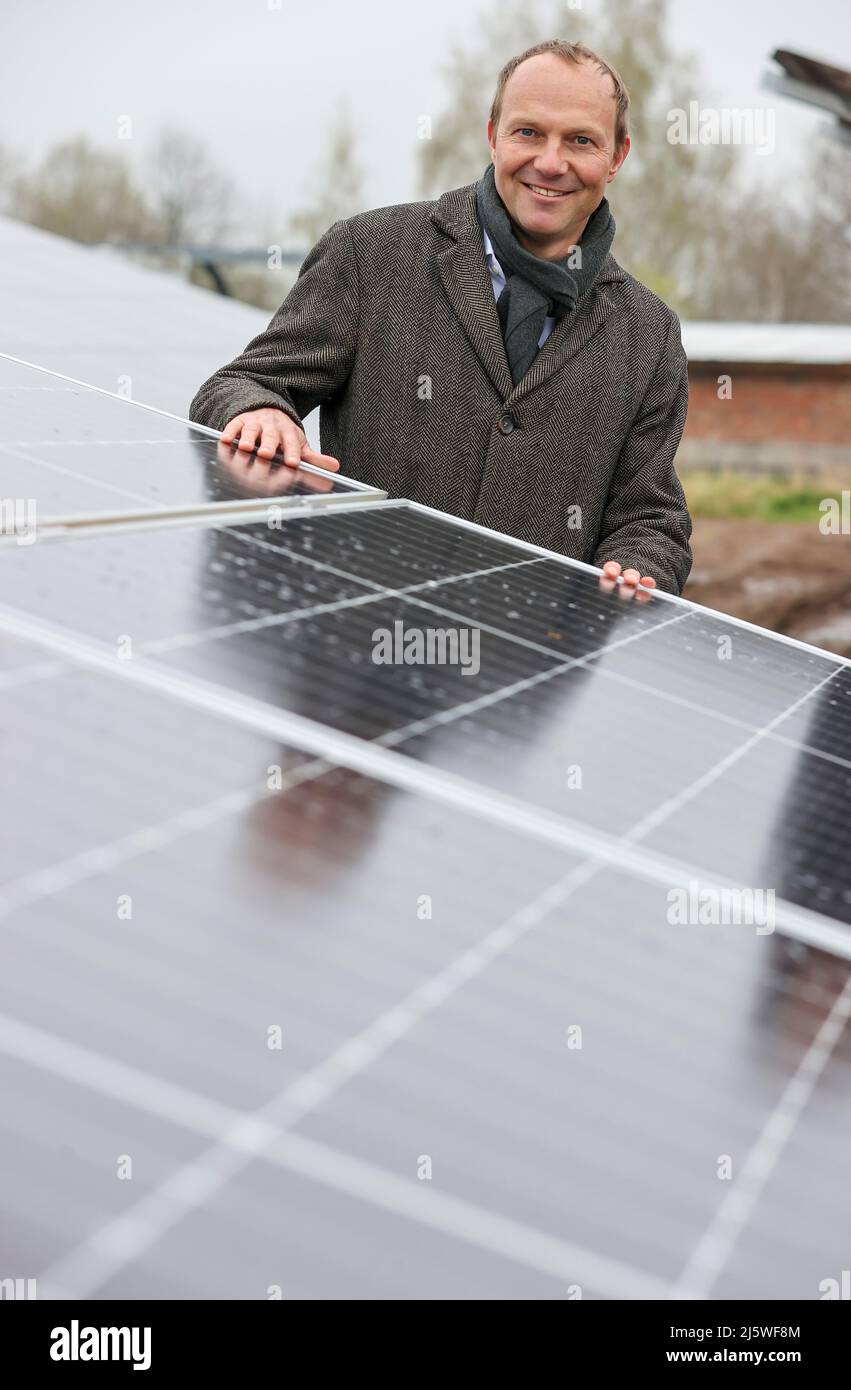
[392, 329]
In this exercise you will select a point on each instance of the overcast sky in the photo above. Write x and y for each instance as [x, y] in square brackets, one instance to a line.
[262, 82]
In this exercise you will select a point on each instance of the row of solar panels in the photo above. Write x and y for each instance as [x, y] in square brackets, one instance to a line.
[336, 973]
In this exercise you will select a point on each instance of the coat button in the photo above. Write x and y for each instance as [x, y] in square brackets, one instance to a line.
[506, 424]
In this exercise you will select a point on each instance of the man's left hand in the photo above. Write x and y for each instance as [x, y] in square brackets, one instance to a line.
[635, 585]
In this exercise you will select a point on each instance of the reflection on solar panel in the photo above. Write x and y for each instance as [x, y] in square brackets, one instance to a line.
[408, 916]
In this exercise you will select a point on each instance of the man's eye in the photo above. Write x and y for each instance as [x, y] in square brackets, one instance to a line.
[523, 128]
[583, 137]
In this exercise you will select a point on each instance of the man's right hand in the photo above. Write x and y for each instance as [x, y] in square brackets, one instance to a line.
[268, 431]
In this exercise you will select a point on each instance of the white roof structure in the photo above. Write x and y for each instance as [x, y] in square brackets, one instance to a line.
[803, 343]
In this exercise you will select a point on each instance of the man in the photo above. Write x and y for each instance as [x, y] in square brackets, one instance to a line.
[484, 353]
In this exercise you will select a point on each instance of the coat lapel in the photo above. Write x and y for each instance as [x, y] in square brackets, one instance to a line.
[466, 280]
[569, 336]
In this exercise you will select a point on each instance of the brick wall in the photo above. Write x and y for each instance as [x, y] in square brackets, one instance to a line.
[790, 418]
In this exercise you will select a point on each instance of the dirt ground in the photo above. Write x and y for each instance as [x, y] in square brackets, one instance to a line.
[783, 575]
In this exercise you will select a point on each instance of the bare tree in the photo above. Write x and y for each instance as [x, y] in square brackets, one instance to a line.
[829, 250]
[672, 202]
[189, 195]
[83, 192]
[339, 185]
[457, 150]
[787, 263]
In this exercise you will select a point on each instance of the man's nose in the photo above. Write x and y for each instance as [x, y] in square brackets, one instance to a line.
[552, 162]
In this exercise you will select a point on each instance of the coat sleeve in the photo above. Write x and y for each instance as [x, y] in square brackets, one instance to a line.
[646, 524]
[306, 353]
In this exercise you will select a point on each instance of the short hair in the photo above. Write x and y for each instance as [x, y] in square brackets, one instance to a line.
[570, 53]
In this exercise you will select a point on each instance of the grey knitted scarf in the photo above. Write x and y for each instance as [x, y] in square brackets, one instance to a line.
[534, 287]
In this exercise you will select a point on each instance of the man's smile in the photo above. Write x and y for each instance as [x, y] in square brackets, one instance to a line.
[539, 190]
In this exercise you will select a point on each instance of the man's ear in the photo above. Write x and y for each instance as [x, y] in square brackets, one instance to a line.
[490, 135]
[619, 159]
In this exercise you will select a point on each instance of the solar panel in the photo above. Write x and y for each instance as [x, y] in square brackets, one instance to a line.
[77, 454]
[392, 964]
[165, 908]
[572, 697]
[88, 312]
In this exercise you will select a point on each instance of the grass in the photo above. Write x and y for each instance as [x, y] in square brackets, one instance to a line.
[761, 498]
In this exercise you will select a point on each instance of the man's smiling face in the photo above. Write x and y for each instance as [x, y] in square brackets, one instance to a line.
[556, 132]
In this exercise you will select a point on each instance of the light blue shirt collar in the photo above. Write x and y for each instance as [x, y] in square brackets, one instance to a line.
[498, 280]
[490, 254]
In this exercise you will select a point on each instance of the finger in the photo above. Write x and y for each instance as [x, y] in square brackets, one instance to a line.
[612, 569]
[291, 447]
[268, 443]
[320, 460]
[631, 576]
[232, 429]
[248, 438]
[648, 582]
